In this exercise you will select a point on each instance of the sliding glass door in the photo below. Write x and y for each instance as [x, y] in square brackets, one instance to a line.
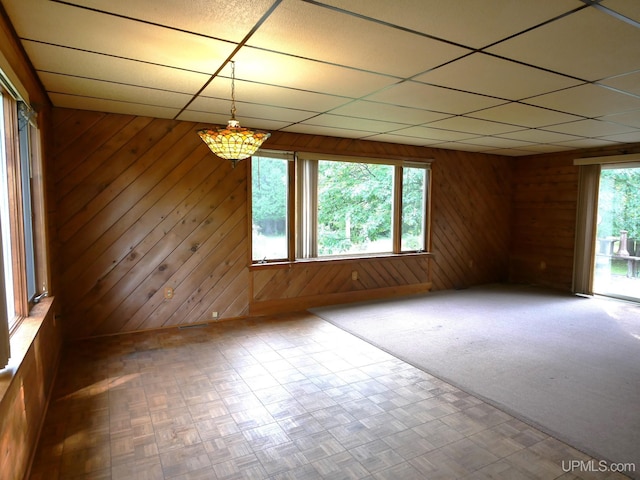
[616, 269]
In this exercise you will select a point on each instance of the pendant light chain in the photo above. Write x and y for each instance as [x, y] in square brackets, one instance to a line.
[233, 90]
[233, 142]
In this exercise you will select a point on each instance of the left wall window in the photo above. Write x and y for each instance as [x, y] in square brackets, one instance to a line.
[17, 198]
[6, 228]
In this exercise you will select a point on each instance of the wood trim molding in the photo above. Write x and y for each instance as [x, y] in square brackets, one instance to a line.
[270, 307]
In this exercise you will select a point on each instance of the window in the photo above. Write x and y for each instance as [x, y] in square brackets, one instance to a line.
[342, 205]
[17, 136]
[5, 217]
[414, 208]
[354, 206]
[24, 136]
[270, 206]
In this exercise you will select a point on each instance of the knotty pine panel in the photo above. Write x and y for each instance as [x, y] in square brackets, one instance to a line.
[544, 205]
[306, 284]
[470, 219]
[140, 204]
[25, 391]
[471, 196]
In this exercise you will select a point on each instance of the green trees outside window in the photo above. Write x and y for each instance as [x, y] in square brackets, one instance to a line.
[619, 201]
[354, 208]
[343, 207]
[269, 179]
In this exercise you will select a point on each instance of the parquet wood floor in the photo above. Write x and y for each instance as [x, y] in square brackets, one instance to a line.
[289, 397]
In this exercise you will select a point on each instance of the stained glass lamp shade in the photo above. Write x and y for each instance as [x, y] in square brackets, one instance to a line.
[233, 142]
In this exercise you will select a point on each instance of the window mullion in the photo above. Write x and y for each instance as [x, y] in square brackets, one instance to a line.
[15, 207]
[292, 224]
[397, 209]
[307, 208]
[426, 221]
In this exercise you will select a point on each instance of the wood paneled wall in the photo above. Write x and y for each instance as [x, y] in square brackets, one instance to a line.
[545, 193]
[306, 284]
[24, 403]
[543, 223]
[470, 220]
[141, 205]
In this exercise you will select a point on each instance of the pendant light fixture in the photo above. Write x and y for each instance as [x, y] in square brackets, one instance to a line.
[233, 142]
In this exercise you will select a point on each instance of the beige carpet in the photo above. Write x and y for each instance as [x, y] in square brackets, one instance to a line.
[568, 365]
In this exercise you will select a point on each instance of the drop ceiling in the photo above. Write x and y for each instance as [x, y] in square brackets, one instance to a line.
[509, 77]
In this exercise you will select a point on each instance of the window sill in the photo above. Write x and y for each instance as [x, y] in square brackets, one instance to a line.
[339, 259]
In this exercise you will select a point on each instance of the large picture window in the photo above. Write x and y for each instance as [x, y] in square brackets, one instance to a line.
[341, 206]
[19, 264]
[355, 207]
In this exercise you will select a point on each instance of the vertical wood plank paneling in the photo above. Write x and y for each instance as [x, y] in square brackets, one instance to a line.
[544, 205]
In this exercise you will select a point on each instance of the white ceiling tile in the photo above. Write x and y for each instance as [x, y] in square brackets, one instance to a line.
[404, 140]
[473, 125]
[498, 142]
[65, 25]
[224, 19]
[588, 101]
[250, 111]
[253, 92]
[327, 131]
[628, 8]
[353, 123]
[419, 95]
[98, 89]
[590, 128]
[286, 71]
[434, 134]
[111, 106]
[588, 44]
[538, 136]
[547, 148]
[217, 119]
[209, 118]
[150, 57]
[48, 58]
[631, 118]
[628, 83]
[585, 143]
[341, 39]
[468, 22]
[631, 137]
[524, 115]
[387, 112]
[465, 147]
[488, 75]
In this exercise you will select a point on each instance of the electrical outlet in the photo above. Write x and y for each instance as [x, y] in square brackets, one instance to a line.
[354, 275]
[214, 315]
[168, 293]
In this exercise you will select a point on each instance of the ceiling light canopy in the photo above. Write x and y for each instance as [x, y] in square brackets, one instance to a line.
[233, 142]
